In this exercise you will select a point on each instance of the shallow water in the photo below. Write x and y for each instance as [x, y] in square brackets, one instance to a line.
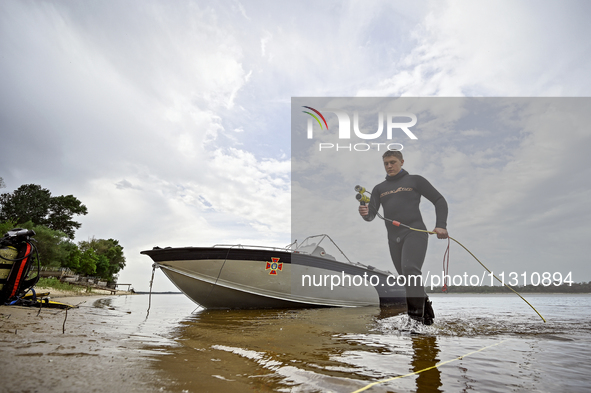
[343, 350]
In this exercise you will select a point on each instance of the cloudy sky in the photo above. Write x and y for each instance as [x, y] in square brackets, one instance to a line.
[514, 171]
[170, 121]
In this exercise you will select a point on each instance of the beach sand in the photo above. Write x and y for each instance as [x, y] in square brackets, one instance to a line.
[91, 355]
[54, 293]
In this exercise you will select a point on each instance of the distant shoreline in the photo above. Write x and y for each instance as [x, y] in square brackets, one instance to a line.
[157, 293]
[566, 289]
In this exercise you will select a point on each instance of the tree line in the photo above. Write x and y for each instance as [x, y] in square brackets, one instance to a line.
[51, 217]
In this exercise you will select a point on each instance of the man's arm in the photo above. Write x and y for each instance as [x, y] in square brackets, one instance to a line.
[441, 210]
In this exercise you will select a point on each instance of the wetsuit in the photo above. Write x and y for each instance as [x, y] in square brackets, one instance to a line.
[400, 195]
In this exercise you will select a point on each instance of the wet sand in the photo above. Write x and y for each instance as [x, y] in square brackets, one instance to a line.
[91, 355]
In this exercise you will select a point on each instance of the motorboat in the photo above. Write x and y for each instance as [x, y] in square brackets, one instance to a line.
[254, 277]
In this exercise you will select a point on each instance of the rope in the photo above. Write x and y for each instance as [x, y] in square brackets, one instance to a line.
[399, 224]
[446, 266]
[150, 296]
[425, 369]
[481, 264]
[498, 279]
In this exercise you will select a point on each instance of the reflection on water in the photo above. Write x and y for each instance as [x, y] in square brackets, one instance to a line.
[343, 350]
[425, 357]
[272, 350]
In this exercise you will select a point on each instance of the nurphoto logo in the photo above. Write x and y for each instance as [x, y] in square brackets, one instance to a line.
[393, 124]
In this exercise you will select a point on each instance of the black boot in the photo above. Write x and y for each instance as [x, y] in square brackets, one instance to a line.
[428, 313]
[421, 310]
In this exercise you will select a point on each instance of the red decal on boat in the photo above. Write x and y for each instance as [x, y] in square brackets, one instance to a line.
[274, 266]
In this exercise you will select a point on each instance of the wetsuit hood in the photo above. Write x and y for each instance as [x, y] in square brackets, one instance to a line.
[397, 176]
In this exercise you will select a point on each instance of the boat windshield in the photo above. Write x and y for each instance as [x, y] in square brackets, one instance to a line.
[311, 245]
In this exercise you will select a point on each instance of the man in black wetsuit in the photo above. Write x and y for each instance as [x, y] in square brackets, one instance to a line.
[400, 194]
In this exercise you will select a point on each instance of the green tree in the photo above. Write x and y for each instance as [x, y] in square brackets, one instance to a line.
[52, 245]
[110, 256]
[72, 261]
[88, 260]
[61, 210]
[102, 267]
[31, 202]
[6, 226]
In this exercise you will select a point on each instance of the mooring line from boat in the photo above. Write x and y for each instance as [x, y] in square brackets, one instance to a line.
[425, 369]
[399, 224]
[150, 295]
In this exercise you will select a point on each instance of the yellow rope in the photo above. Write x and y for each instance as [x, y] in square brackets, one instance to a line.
[425, 369]
[514, 291]
[482, 264]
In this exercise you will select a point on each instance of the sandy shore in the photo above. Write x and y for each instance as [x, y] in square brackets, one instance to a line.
[91, 355]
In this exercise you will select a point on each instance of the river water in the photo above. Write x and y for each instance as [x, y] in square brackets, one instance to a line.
[479, 343]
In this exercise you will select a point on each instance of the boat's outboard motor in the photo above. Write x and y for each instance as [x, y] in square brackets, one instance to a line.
[16, 261]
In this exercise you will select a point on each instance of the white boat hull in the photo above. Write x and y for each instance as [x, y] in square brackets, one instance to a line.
[226, 278]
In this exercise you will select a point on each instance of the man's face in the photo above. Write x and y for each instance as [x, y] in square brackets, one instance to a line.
[392, 165]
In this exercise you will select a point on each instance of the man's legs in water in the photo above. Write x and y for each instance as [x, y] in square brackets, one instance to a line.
[408, 254]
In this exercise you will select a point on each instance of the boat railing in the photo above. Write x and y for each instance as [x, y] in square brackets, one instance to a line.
[247, 246]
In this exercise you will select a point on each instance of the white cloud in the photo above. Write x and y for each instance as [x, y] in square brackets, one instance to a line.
[264, 41]
[494, 48]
